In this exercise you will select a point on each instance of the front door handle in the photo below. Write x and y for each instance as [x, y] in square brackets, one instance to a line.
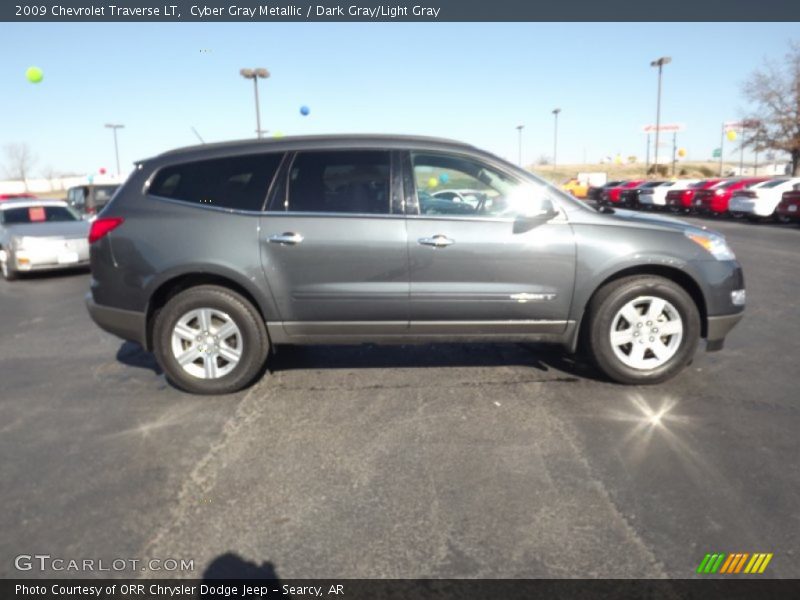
[286, 239]
[437, 241]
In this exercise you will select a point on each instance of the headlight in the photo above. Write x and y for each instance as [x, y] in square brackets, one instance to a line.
[714, 243]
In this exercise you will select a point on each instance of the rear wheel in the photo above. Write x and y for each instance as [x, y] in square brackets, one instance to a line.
[210, 340]
[642, 329]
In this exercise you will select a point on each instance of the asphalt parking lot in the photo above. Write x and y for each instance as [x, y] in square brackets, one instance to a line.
[429, 461]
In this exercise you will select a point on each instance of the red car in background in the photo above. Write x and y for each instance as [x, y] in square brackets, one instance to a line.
[789, 207]
[15, 196]
[715, 200]
[613, 195]
[681, 200]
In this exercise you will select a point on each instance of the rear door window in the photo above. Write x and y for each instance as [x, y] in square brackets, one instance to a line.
[236, 182]
[356, 181]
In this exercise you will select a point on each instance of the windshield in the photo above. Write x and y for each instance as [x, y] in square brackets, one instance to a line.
[727, 184]
[38, 214]
[773, 183]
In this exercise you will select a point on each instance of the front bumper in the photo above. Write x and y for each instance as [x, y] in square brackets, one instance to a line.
[127, 324]
[718, 328]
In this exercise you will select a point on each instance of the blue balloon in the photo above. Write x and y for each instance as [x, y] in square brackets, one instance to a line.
[304, 110]
[444, 177]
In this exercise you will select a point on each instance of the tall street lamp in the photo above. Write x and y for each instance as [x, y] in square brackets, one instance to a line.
[664, 60]
[519, 130]
[114, 127]
[555, 138]
[255, 75]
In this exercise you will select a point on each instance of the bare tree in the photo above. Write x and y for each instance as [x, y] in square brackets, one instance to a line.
[19, 161]
[774, 92]
[49, 172]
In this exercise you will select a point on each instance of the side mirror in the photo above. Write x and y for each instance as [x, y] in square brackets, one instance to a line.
[528, 221]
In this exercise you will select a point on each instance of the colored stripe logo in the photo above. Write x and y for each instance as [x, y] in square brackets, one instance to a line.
[735, 563]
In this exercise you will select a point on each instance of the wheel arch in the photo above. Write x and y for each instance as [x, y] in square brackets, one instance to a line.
[676, 275]
[168, 288]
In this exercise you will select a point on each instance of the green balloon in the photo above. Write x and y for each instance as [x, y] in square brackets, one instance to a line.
[34, 74]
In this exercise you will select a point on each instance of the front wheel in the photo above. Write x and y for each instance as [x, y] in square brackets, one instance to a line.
[642, 329]
[7, 265]
[210, 340]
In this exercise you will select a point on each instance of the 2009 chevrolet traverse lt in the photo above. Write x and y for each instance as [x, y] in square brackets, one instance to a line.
[210, 255]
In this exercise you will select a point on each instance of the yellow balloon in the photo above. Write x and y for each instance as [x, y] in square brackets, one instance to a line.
[433, 182]
[617, 160]
[731, 135]
[681, 152]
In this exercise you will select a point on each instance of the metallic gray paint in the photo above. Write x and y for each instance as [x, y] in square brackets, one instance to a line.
[366, 277]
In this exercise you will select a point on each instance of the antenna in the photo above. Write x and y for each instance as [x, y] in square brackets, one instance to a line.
[202, 141]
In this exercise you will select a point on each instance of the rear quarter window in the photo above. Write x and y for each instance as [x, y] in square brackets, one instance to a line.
[237, 182]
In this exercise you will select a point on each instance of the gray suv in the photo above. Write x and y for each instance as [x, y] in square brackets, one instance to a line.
[212, 255]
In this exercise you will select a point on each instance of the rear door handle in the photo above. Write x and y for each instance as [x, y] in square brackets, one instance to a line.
[286, 239]
[437, 241]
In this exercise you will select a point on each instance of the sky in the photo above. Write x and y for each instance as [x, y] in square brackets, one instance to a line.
[473, 82]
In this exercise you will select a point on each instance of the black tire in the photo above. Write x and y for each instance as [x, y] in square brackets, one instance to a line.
[9, 273]
[611, 298]
[255, 342]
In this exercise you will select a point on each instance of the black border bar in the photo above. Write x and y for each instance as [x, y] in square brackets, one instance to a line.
[401, 589]
[416, 11]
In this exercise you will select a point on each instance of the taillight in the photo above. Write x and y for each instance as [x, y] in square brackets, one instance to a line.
[101, 227]
[686, 193]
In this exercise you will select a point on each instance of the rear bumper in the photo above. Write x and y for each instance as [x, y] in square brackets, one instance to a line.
[54, 266]
[784, 210]
[127, 324]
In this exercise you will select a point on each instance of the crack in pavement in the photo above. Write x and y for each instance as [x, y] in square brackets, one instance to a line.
[203, 476]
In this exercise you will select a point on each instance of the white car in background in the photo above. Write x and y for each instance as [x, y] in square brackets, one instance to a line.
[38, 235]
[656, 197]
[761, 200]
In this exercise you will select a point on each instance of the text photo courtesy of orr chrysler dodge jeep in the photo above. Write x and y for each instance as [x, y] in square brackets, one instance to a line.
[210, 256]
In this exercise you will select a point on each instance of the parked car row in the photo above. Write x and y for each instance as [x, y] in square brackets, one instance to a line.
[754, 198]
[38, 234]
[86, 199]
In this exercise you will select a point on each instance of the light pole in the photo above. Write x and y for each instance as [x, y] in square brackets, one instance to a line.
[519, 130]
[114, 127]
[660, 62]
[555, 137]
[255, 75]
